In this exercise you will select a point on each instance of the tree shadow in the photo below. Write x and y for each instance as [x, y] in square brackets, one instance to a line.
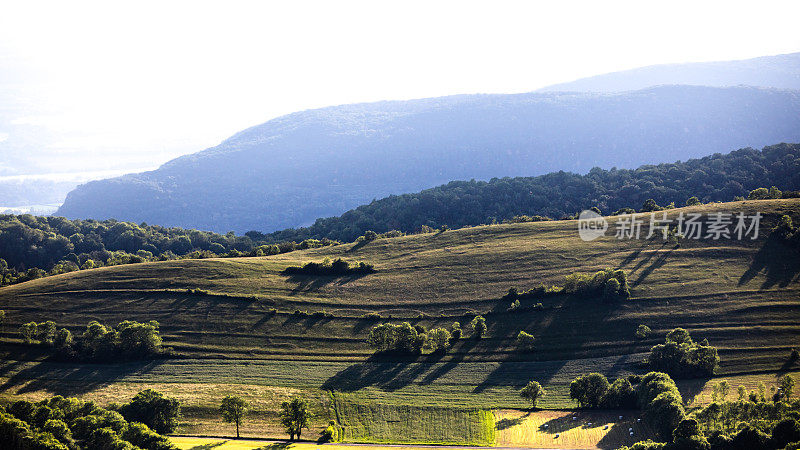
[357, 246]
[386, 371]
[311, 283]
[659, 262]
[70, 379]
[276, 446]
[506, 423]
[777, 261]
[209, 445]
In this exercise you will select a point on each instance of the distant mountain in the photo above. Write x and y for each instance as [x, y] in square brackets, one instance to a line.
[781, 71]
[319, 163]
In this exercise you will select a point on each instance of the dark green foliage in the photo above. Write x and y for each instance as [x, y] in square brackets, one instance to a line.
[642, 332]
[60, 423]
[329, 434]
[609, 283]
[437, 340]
[664, 413]
[683, 358]
[589, 390]
[294, 417]
[130, 340]
[153, 409]
[620, 395]
[389, 337]
[32, 247]
[461, 203]
[786, 431]
[338, 267]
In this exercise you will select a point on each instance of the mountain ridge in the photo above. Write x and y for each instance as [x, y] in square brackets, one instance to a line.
[318, 163]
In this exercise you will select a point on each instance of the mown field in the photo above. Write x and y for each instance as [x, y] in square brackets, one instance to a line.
[239, 332]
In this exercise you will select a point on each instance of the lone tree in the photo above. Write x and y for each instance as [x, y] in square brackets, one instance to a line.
[532, 391]
[478, 326]
[233, 409]
[294, 417]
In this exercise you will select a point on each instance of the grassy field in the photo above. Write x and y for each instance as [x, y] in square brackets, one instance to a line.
[240, 333]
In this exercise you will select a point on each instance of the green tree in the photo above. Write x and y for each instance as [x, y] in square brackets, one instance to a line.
[152, 408]
[437, 339]
[532, 392]
[478, 325]
[786, 386]
[294, 417]
[692, 201]
[589, 390]
[233, 409]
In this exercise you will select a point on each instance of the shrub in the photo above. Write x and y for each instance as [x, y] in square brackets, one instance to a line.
[330, 433]
[525, 341]
[372, 316]
[438, 340]
[338, 267]
[692, 201]
[681, 357]
[599, 283]
[400, 338]
[642, 332]
[455, 331]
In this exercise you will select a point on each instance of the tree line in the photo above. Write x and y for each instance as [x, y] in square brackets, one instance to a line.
[35, 246]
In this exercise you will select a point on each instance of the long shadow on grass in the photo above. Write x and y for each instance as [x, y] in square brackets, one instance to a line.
[778, 261]
[70, 379]
[389, 372]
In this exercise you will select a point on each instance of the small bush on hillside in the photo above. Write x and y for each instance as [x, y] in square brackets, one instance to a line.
[599, 284]
[455, 331]
[526, 341]
[764, 193]
[588, 390]
[643, 332]
[692, 201]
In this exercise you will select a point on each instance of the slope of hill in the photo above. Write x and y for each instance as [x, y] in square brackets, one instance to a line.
[463, 203]
[780, 71]
[294, 169]
[740, 295]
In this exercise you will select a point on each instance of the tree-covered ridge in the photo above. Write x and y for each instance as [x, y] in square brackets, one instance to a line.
[34, 246]
[461, 203]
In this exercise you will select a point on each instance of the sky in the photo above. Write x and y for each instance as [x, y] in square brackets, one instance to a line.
[92, 89]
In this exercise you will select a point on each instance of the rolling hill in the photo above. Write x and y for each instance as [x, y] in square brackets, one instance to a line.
[294, 169]
[236, 330]
[779, 71]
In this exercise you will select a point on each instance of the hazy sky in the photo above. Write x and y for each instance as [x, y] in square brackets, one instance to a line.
[123, 86]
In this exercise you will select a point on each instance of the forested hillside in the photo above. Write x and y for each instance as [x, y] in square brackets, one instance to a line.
[294, 169]
[460, 203]
[31, 246]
